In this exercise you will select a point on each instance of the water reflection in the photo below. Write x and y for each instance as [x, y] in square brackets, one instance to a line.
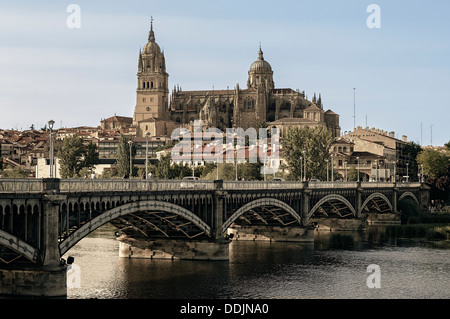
[335, 266]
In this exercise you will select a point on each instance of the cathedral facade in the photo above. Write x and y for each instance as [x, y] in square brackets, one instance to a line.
[261, 104]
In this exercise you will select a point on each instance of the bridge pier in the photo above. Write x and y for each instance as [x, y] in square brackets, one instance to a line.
[47, 277]
[272, 233]
[174, 249]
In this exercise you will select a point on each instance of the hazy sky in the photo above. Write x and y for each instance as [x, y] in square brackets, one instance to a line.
[78, 76]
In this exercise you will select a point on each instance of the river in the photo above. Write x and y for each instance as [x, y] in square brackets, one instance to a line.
[406, 270]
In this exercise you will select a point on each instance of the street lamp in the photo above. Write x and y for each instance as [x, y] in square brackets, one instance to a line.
[304, 157]
[301, 168]
[395, 171]
[332, 164]
[407, 172]
[327, 169]
[376, 161]
[357, 165]
[146, 154]
[131, 159]
[50, 125]
[345, 170]
[421, 175]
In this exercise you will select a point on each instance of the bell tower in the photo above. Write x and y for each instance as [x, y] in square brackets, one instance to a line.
[152, 82]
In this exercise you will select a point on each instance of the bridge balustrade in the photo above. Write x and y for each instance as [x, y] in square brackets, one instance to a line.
[21, 185]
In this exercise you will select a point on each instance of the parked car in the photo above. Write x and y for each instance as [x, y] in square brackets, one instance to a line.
[314, 180]
[278, 179]
[189, 181]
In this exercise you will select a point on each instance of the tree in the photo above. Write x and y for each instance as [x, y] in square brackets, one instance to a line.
[315, 143]
[70, 156]
[410, 151]
[90, 155]
[352, 174]
[434, 162]
[162, 167]
[123, 155]
[75, 158]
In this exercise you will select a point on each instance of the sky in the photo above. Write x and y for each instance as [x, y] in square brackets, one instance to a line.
[395, 77]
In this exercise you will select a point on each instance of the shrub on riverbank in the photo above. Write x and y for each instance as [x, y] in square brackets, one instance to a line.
[427, 231]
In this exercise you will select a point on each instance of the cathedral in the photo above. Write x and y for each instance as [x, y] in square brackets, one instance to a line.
[261, 104]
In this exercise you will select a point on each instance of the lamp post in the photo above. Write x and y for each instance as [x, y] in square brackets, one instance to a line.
[304, 163]
[327, 169]
[395, 171]
[345, 170]
[376, 168]
[407, 172]
[50, 125]
[421, 175]
[332, 164]
[131, 159]
[357, 165]
[301, 168]
[146, 154]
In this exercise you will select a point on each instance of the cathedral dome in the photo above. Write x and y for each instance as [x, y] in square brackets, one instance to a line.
[260, 65]
[151, 47]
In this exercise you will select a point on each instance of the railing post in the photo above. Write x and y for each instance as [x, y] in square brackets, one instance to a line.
[306, 195]
[359, 191]
[395, 198]
[219, 209]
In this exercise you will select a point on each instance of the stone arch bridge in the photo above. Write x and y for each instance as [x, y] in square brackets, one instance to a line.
[40, 220]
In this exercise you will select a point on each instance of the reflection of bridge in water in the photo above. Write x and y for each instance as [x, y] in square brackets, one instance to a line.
[40, 220]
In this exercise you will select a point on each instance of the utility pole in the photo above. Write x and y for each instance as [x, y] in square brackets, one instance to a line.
[354, 109]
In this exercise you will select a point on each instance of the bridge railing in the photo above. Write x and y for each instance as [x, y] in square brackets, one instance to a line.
[21, 185]
[232, 185]
[83, 185]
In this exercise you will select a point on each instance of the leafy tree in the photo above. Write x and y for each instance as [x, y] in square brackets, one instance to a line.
[70, 156]
[16, 172]
[90, 155]
[434, 162]
[411, 150]
[162, 167]
[76, 158]
[316, 143]
[123, 155]
[352, 174]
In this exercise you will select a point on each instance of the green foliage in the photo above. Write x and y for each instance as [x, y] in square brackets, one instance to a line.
[410, 151]
[16, 172]
[76, 159]
[123, 155]
[434, 162]
[352, 174]
[316, 143]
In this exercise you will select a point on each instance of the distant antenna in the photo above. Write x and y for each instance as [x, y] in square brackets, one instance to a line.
[421, 142]
[354, 109]
[431, 127]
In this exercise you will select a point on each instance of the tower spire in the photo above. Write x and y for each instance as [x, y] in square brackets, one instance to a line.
[260, 53]
[151, 35]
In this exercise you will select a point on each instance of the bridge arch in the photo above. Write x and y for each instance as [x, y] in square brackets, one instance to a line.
[19, 246]
[130, 208]
[330, 198]
[257, 203]
[409, 194]
[376, 195]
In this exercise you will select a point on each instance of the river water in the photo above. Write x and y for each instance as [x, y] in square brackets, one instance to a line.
[407, 270]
